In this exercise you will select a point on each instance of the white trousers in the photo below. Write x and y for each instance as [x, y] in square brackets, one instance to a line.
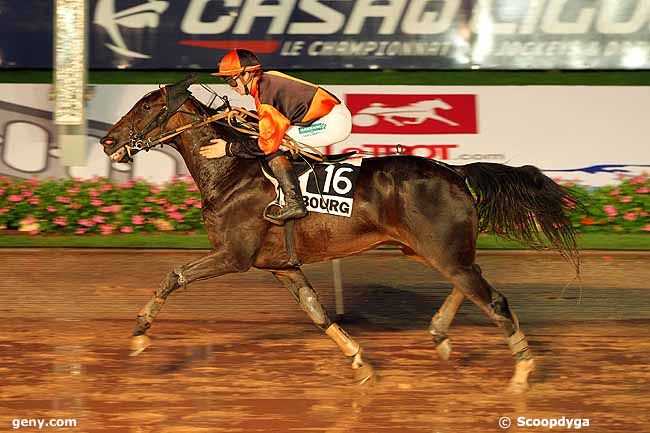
[332, 128]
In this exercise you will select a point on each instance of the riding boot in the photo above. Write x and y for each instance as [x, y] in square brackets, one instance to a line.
[294, 206]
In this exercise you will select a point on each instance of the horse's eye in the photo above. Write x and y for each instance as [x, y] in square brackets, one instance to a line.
[146, 107]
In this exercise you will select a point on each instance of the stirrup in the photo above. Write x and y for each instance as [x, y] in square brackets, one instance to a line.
[269, 218]
[287, 213]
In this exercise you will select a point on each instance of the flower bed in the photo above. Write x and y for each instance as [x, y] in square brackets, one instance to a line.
[624, 208]
[102, 207]
[98, 206]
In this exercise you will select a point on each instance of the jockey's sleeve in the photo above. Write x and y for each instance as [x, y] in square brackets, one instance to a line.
[273, 125]
[245, 147]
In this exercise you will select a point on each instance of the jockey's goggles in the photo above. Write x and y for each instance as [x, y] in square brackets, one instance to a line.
[231, 80]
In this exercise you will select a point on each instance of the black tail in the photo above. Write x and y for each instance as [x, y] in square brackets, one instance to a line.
[522, 204]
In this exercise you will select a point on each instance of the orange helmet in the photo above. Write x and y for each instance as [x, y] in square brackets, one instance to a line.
[238, 61]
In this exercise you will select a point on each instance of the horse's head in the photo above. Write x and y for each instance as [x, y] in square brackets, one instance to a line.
[148, 117]
[439, 103]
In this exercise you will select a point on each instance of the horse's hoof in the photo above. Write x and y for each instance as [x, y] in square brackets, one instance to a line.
[519, 381]
[444, 349]
[138, 344]
[363, 374]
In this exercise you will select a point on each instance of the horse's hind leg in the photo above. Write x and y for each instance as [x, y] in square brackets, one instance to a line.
[441, 321]
[209, 266]
[306, 296]
[470, 281]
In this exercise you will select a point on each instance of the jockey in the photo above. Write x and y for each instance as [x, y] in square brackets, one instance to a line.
[285, 105]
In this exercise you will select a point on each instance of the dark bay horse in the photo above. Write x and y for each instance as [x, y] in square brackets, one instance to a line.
[432, 211]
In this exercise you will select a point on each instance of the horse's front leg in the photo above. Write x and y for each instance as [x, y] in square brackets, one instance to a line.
[213, 265]
[304, 293]
[441, 322]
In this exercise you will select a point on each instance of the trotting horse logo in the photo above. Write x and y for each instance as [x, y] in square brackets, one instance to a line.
[413, 114]
[136, 17]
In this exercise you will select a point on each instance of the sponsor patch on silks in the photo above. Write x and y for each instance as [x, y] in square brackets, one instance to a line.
[313, 129]
[328, 187]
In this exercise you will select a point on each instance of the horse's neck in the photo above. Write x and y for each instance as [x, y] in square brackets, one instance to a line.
[214, 177]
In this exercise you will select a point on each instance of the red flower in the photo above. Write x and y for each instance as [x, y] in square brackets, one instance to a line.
[85, 223]
[630, 216]
[175, 216]
[61, 221]
[106, 229]
[610, 210]
[587, 221]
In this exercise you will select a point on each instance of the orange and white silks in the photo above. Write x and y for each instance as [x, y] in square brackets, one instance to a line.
[289, 105]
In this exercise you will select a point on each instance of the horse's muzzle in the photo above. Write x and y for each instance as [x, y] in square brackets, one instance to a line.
[111, 145]
[107, 141]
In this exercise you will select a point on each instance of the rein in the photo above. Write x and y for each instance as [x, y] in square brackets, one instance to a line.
[234, 118]
[242, 117]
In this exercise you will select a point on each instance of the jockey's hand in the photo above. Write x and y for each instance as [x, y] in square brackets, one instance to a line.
[216, 149]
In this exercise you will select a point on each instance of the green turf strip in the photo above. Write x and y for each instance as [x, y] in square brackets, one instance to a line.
[177, 240]
[435, 78]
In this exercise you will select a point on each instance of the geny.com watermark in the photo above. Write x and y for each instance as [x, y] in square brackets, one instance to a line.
[43, 423]
[550, 423]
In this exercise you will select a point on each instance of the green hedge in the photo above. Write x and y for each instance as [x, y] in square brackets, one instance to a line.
[99, 206]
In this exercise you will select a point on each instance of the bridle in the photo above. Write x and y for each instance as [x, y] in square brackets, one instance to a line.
[138, 140]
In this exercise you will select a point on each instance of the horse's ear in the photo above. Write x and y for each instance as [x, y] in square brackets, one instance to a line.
[186, 82]
[177, 93]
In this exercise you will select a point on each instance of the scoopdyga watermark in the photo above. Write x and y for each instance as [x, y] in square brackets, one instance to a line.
[550, 423]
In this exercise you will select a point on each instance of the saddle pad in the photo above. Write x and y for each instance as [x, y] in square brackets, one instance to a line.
[327, 187]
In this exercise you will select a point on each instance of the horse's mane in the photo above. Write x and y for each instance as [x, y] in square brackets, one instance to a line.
[241, 144]
[221, 128]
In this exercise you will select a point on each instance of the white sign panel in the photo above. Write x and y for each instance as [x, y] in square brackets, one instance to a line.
[588, 134]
